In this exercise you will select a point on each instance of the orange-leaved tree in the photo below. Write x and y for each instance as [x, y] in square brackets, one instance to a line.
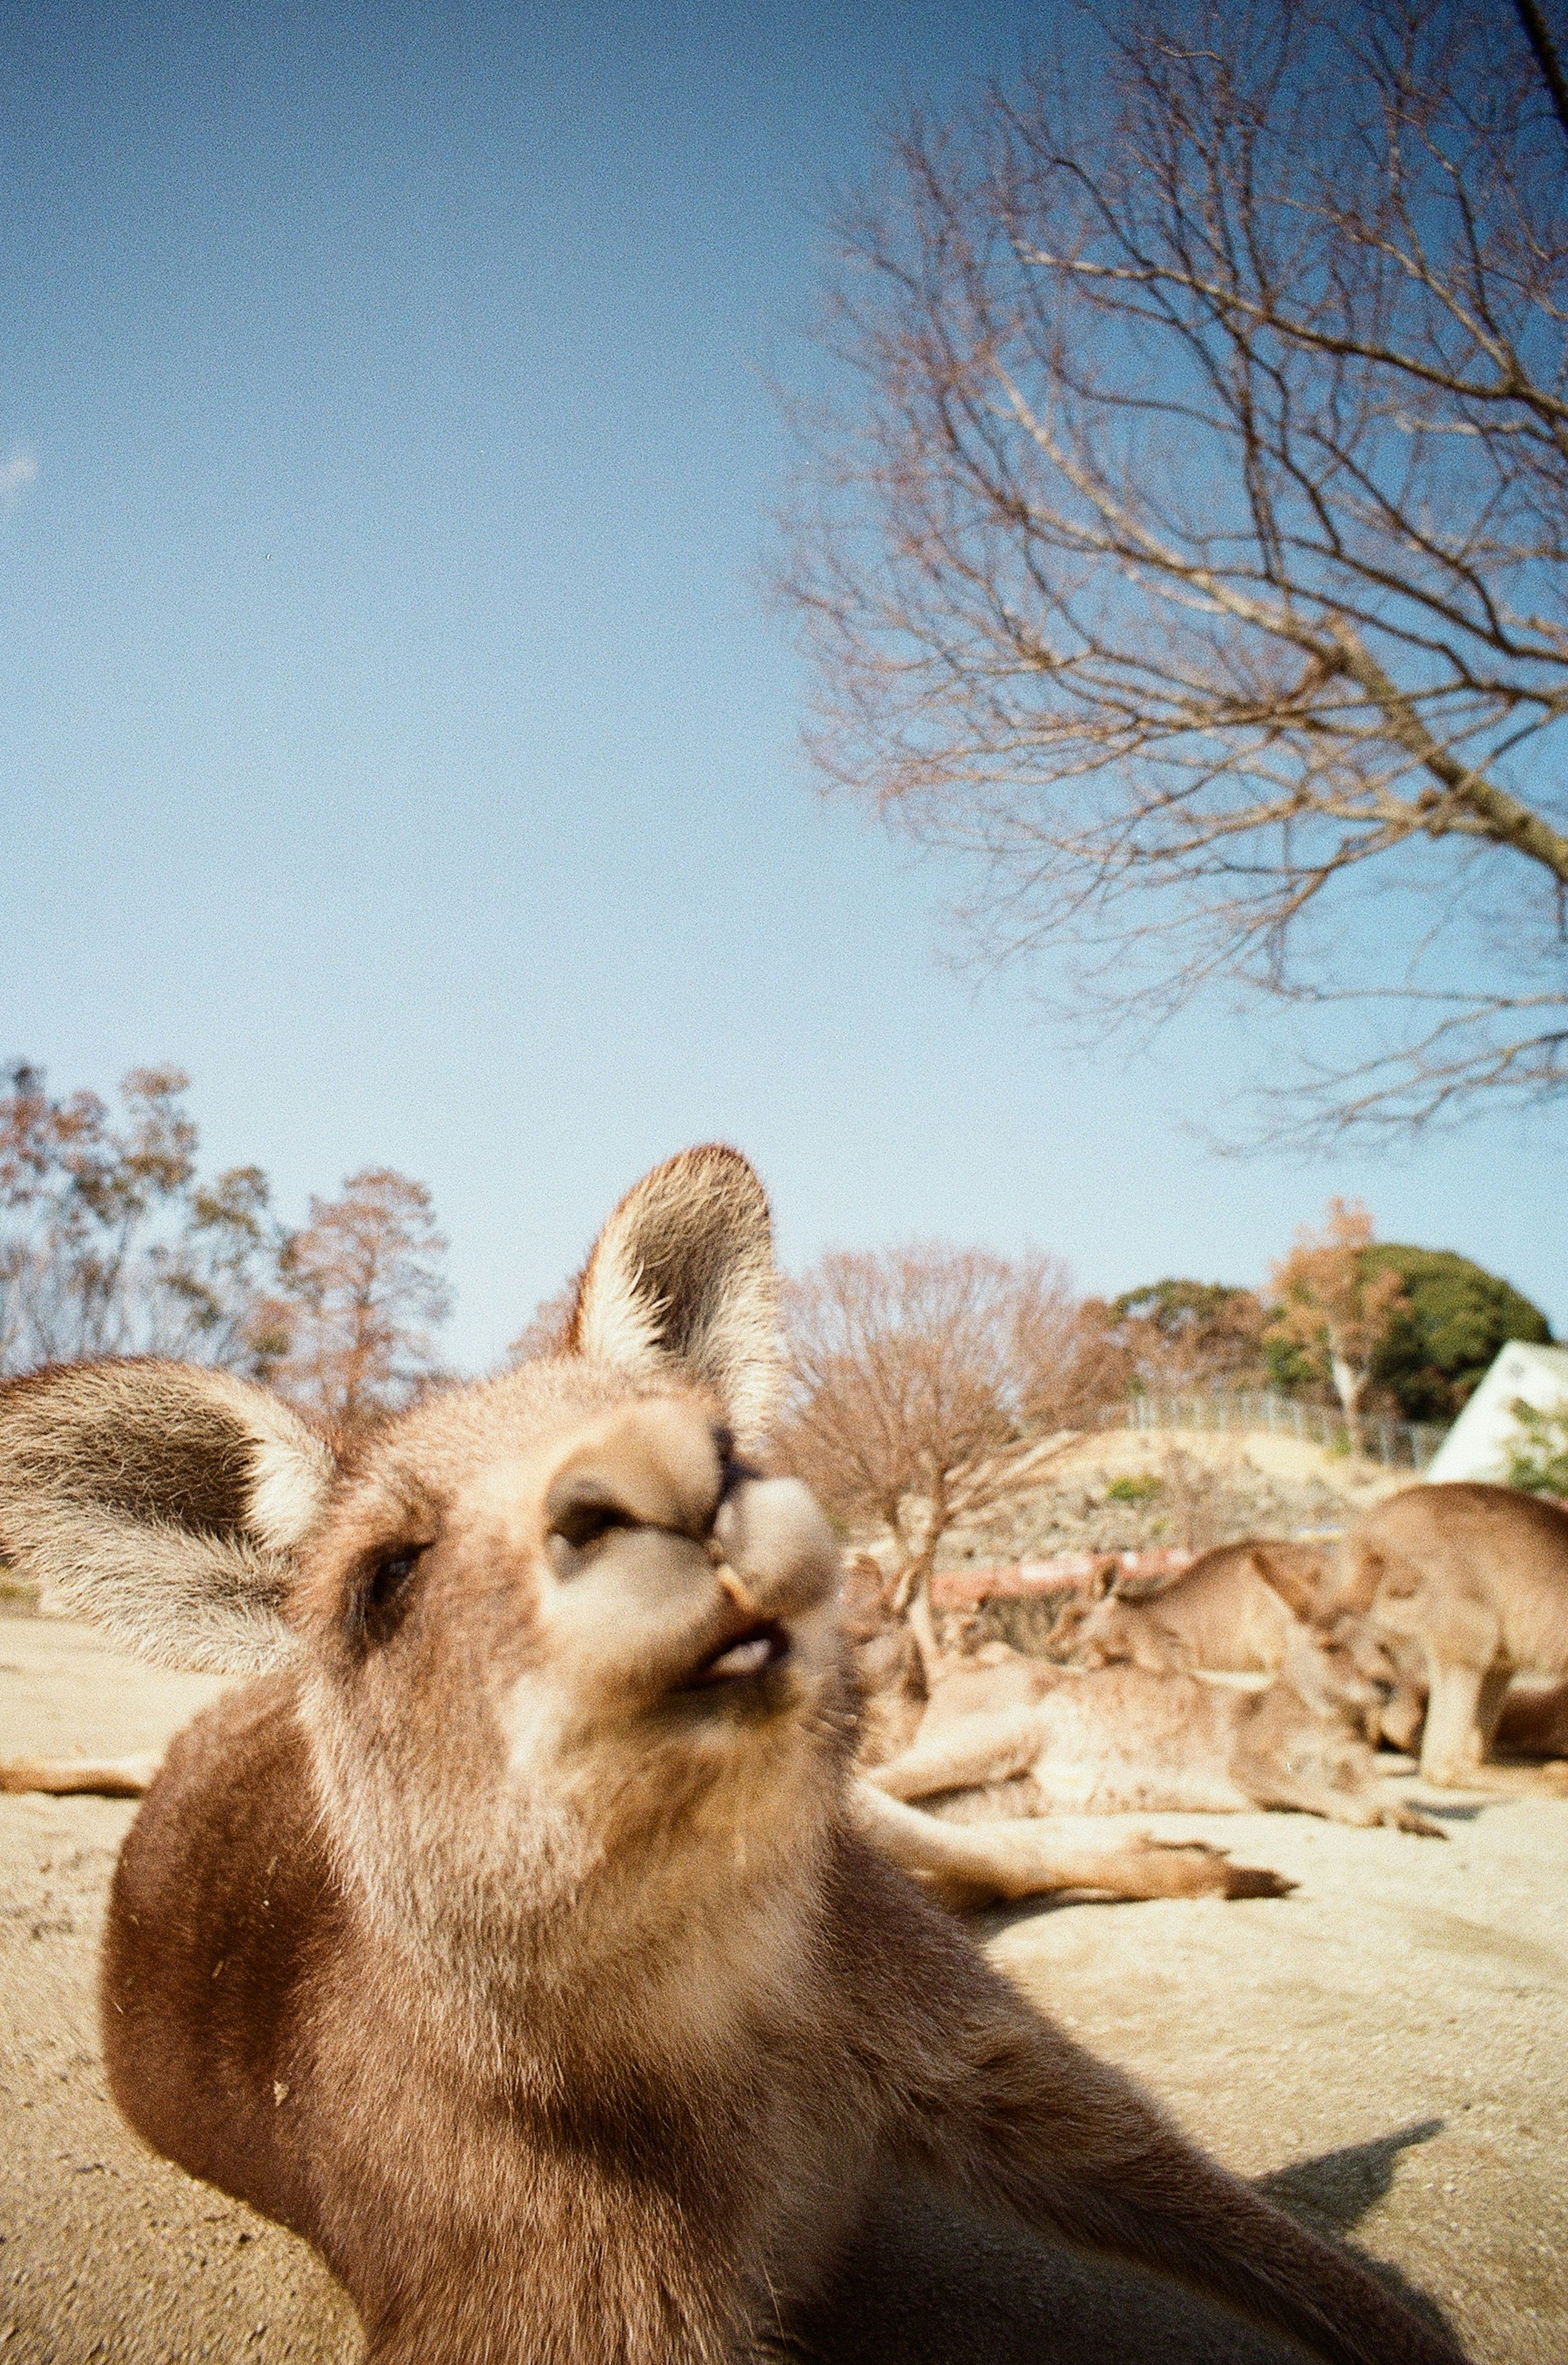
[350, 1331]
[1334, 1307]
[927, 1385]
[110, 1241]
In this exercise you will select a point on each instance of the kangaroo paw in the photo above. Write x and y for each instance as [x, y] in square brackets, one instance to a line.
[1193, 1869]
[1256, 1880]
[1410, 1819]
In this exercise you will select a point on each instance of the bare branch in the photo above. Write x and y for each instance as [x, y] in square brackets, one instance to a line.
[1551, 64]
[361, 1293]
[1194, 554]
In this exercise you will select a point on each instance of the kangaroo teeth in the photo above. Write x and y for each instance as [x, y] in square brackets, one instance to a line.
[745, 1655]
[744, 1659]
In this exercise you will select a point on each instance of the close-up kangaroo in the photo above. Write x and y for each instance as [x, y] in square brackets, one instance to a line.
[513, 1934]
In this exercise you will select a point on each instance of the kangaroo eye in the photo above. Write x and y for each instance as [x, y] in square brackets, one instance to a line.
[383, 1595]
[392, 1574]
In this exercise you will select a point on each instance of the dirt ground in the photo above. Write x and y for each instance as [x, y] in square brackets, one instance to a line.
[1387, 2052]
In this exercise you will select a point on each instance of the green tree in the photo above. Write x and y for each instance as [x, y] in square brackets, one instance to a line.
[1334, 1309]
[1188, 1333]
[1537, 1463]
[1456, 1318]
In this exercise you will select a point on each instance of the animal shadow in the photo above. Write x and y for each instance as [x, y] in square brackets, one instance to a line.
[1336, 2190]
[931, 2282]
[1337, 2187]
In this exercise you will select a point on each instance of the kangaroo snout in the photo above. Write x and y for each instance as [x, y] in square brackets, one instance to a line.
[772, 1540]
[674, 1569]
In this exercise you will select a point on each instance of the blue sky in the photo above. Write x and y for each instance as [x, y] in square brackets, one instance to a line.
[394, 733]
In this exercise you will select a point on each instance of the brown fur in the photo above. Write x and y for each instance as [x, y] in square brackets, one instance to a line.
[1534, 1722]
[1125, 1740]
[1235, 1609]
[563, 2006]
[1477, 1577]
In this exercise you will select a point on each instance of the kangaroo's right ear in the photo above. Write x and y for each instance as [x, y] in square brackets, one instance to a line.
[164, 1502]
[682, 1276]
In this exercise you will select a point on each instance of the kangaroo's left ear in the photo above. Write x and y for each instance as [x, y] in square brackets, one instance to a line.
[683, 1276]
[165, 1502]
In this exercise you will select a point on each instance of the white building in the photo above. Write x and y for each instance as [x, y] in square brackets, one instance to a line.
[1477, 1445]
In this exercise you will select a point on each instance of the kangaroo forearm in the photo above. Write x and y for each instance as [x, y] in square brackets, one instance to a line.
[973, 1751]
[1222, 2240]
[63, 1778]
[1073, 2147]
[970, 1864]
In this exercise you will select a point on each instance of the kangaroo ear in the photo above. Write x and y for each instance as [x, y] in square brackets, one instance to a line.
[683, 1276]
[163, 1502]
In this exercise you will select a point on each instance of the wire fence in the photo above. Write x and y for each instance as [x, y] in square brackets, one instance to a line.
[1398, 1444]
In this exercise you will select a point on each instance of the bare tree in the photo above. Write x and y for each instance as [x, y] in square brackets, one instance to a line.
[1194, 554]
[1335, 1307]
[928, 1386]
[545, 1330]
[110, 1243]
[360, 1292]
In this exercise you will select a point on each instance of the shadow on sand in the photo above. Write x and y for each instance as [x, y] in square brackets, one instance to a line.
[1336, 2190]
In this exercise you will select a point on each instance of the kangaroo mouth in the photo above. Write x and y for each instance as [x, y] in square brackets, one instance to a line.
[755, 1650]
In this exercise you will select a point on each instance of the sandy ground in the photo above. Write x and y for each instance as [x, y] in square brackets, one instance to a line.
[1386, 2051]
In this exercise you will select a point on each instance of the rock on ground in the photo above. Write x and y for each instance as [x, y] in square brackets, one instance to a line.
[1387, 2052]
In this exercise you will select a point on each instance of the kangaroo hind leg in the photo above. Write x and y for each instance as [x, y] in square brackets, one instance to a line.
[1451, 1744]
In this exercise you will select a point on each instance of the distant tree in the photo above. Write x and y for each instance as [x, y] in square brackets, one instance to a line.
[928, 1386]
[1183, 1334]
[360, 1291]
[545, 1328]
[1333, 1309]
[110, 1243]
[1456, 1318]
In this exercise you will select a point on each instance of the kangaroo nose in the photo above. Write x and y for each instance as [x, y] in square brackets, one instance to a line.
[773, 1535]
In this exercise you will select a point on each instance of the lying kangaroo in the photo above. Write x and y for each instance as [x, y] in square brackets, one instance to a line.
[513, 1935]
[1124, 1739]
[1236, 1609]
[1000, 1732]
[1478, 1577]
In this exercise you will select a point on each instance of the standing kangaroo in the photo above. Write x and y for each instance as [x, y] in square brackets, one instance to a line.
[1475, 1576]
[513, 1936]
